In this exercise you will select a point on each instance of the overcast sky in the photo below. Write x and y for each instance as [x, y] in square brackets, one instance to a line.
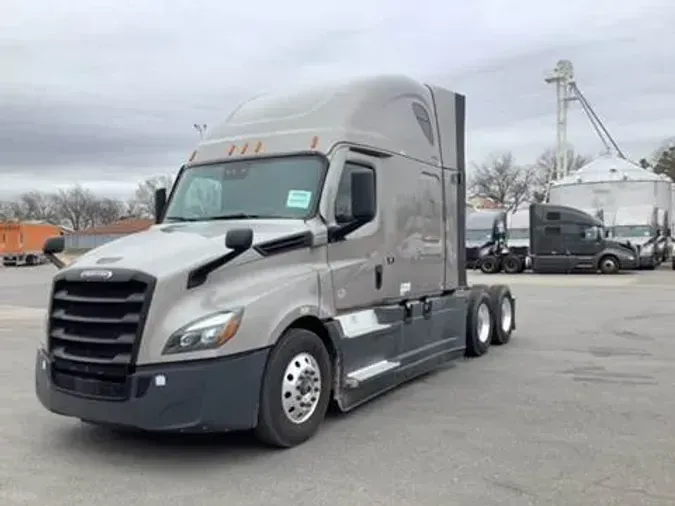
[105, 92]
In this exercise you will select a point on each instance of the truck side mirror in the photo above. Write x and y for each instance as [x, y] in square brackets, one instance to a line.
[54, 245]
[364, 197]
[160, 204]
[239, 239]
[606, 233]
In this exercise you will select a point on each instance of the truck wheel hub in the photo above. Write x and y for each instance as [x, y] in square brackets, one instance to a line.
[507, 314]
[301, 388]
[484, 323]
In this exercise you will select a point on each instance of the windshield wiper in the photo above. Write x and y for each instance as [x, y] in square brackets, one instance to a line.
[180, 218]
[239, 216]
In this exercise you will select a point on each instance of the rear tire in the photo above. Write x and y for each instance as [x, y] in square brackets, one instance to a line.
[512, 264]
[504, 311]
[479, 323]
[490, 265]
[609, 264]
[296, 390]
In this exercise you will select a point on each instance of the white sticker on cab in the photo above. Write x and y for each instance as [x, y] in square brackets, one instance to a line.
[298, 199]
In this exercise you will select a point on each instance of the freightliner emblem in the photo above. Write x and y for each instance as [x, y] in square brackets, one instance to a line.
[96, 274]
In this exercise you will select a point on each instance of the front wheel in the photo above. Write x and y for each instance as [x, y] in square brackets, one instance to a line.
[609, 265]
[296, 390]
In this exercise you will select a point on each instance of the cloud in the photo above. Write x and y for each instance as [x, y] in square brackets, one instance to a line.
[105, 92]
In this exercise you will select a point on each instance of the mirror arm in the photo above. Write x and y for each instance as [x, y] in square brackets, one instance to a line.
[339, 232]
[58, 263]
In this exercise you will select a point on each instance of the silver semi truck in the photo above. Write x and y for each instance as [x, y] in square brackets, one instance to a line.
[279, 276]
[639, 227]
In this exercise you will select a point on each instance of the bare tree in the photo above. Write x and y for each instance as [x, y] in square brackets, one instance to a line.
[34, 205]
[142, 203]
[77, 207]
[500, 179]
[107, 210]
[546, 166]
[6, 211]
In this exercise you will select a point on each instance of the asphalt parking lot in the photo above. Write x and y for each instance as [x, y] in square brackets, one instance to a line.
[577, 410]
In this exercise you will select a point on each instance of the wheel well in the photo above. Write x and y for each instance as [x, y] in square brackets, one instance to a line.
[608, 255]
[313, 324]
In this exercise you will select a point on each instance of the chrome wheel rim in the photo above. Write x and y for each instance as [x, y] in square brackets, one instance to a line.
[484, 323]
[301, 388]
[507, 314]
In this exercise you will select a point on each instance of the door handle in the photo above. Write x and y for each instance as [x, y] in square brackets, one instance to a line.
[378, 276]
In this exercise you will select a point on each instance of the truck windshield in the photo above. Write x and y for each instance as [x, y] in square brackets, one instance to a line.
[275, 188]
[632, 231]
[479, 235]
[519, 233]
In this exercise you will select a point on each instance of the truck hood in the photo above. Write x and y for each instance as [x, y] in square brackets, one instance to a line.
[173, 247]
[637, 241]
[622, 246]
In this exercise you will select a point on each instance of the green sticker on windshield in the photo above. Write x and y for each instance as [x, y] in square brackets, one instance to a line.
[299, 199]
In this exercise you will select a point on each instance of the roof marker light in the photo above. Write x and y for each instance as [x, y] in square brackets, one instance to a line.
[315, 142]
[231, 150]
[193, 155]
[244, 149]
[258, 147]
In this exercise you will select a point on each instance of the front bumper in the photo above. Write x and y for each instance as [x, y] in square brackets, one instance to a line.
[647, 261]
[202, 396]
[626, 264]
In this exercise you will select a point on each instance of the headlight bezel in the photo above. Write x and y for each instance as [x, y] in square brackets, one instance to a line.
[206, 333]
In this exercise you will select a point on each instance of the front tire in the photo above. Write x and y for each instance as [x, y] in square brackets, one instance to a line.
[296, 390]
[609, 264]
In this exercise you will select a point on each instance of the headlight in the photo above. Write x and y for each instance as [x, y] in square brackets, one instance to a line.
[205, 334]
[647, 249]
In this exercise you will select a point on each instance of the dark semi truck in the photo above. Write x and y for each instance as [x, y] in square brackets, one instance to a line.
[485, 239]
[565, 240]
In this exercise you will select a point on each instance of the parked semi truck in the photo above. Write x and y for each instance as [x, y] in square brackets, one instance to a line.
[564, 239]
[287, 288]
[519, 237]
[638, 226]
[485, 239]
[489, 246]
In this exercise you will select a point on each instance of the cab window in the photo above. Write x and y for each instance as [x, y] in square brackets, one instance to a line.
[343, 199]
[588, 233]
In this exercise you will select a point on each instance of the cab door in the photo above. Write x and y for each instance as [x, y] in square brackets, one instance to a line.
[552, 252]
[361, 269]
[584, 244]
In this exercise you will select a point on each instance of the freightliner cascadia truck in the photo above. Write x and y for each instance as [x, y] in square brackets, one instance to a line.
[275, 280]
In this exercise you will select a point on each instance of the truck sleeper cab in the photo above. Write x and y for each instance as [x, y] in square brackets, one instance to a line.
[310, 251]
[565, 240]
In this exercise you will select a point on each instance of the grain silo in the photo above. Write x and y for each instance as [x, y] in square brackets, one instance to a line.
[609, 183]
